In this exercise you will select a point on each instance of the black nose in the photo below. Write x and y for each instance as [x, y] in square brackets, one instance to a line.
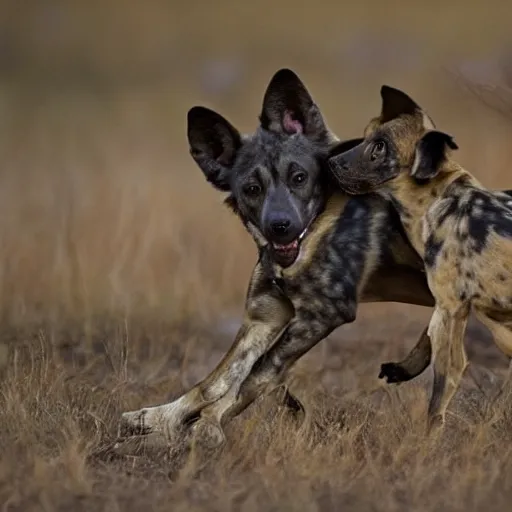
[280, 227]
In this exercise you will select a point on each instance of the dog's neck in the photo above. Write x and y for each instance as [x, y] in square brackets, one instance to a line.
[413, 199]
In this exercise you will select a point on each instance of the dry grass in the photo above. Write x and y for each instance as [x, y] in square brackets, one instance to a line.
[122, 277]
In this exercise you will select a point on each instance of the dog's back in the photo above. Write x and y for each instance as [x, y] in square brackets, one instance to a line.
[468, 233]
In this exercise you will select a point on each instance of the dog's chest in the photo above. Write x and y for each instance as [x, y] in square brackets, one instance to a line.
[332, 274]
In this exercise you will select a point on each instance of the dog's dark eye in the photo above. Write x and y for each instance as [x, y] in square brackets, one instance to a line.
[252, 190]
[299, 178]
[378, 149]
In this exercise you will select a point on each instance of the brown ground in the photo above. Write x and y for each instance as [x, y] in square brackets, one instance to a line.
[122, 277]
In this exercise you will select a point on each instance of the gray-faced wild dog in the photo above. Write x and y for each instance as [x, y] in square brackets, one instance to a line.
[462, 231]
[320, 253]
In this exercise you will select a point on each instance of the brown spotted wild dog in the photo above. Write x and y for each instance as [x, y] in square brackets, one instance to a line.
[462, 231]
[320, 253]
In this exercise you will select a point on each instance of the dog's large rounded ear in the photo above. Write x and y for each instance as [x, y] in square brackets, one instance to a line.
[214, 143]
[396, 103]
[289, 108]
[431, 152]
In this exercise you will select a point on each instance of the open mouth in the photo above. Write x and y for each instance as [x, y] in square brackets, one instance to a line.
[286, 254]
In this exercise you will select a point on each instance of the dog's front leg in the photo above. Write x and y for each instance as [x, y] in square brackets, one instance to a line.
[446, 330]
[268, 312]
[310, 325]
[413, 364]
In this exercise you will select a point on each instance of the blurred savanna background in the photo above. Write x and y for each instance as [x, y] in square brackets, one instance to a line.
[122, 276]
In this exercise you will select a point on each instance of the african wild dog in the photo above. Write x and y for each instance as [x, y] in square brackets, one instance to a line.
[462, 230]
[320, 253]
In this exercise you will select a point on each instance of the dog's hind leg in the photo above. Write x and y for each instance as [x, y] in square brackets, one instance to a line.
[501, 331]
[446, 331]
[502, 334]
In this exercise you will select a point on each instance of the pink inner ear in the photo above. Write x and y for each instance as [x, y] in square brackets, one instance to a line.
[291, 125]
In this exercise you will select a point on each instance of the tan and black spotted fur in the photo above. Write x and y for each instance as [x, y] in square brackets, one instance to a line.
[462, 231]
[350, 250]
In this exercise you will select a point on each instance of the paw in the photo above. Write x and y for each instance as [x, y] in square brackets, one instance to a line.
[151, 426]
[137, 423]
[207, 435]
[162, 419]
[394, 373]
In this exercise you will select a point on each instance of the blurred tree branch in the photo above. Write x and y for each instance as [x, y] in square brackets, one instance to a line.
[496, 97]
